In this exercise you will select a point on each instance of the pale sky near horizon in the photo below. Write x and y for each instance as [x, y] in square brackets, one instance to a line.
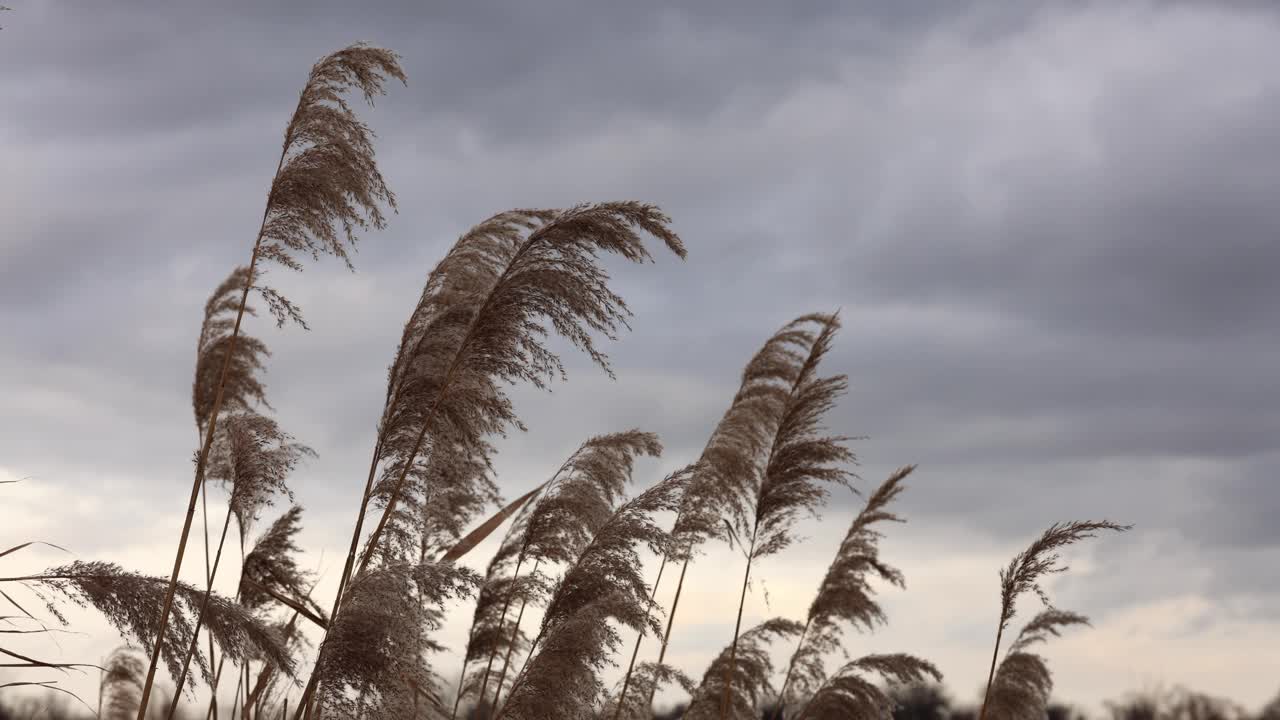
[1051, 228]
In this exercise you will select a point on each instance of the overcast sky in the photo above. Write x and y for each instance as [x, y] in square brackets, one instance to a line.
[1051, 227]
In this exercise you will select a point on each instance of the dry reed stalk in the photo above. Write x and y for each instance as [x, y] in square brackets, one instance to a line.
[1023, 683]
[626, 678]
[578, 499]
[252, 457]
[484, 632]
[481, 322]
[325, 179]
[270, 572]
[570, 516]
[512, 644]
[602, 586]
[242, 390]
[1027, 568]
[845, 595]
[730, 456]
[799, 460]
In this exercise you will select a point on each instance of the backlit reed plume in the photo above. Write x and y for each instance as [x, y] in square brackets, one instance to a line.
[120, 692]
[376, 655]
[730, 458]
[845, 595]
[849, 694]
[1023, 683]
[576, 502]
[800, 461]
[490, 632]
[270, 569]
[641, 686]
[1028, 567]
[482, 322]
[742, 671]
[252, 457]
[443, 495]
[242, 388]
[326, 186]
[605, 585]
[128, 601]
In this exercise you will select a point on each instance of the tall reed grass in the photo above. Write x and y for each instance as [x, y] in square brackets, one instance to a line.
[574, 545]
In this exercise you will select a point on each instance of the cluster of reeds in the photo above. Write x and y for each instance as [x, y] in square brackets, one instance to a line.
[573, 546]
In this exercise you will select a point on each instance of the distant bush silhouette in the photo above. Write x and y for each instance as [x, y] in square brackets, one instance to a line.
[920, 701]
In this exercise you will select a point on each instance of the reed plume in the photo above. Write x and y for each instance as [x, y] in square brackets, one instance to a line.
[730, 458]
[127, 601]
[575, 503]
[374, 661]
[482, 320]
[326, 185]
[741, 671]
[845, 595]
[490, 632]
[243, 388]
[270, 569]
[457, 487]
[643, 683]
[848, 693]
[1027, 568]
[603, 586]
[252, 457]
[800, 461]
[120, 691]
[1023, 682]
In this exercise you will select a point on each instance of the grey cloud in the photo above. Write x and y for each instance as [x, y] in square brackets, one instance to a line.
[1054, 265]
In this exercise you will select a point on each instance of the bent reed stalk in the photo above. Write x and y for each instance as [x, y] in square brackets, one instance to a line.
[325, 177]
